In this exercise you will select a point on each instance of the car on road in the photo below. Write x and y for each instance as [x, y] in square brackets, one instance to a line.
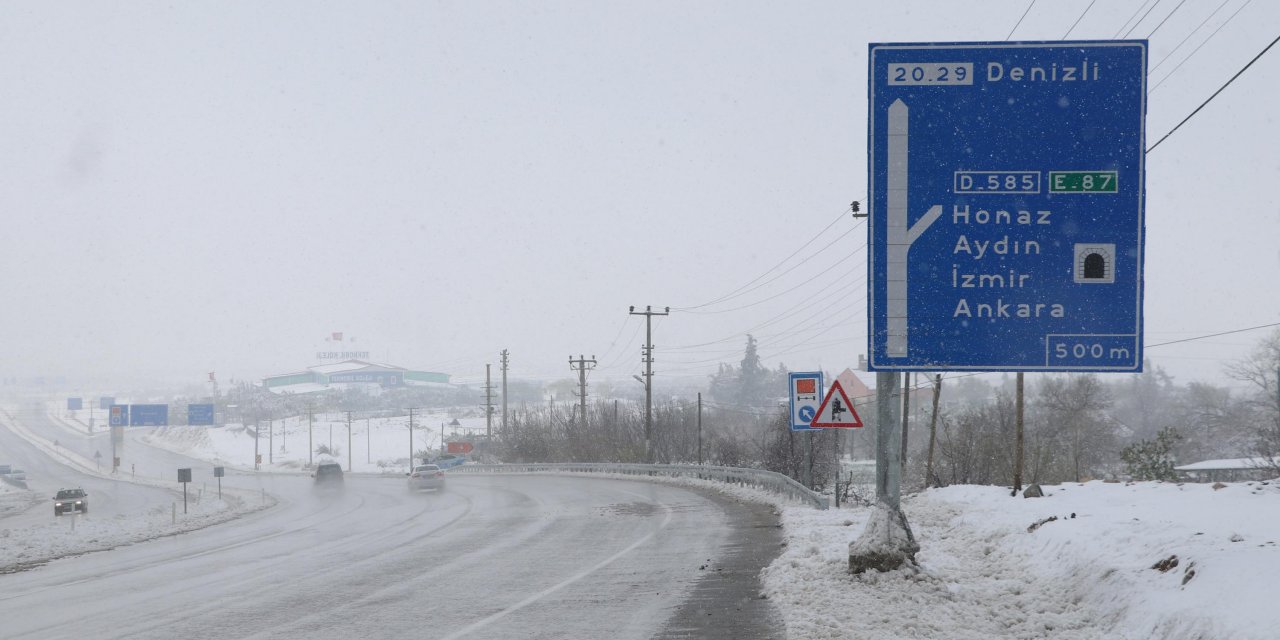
[70, 501]
[328, 477]
[426, 476]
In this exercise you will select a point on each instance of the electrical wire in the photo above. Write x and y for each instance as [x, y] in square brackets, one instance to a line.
[1197, 49]
[770, 269]
[1073, 25]
[1126, 22]
[1188, 36]
[1024, 16]
[1140, 20]
[807, 282]
[1166, 18]
[1215, 94]
[775, 278]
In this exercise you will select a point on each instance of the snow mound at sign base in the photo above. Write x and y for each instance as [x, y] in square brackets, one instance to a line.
[982, 575]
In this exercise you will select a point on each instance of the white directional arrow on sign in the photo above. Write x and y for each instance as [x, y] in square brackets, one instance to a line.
[900, 234]
[836, 410]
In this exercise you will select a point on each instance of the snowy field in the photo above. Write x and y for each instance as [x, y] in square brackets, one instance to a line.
[30, 535]
[983, 575]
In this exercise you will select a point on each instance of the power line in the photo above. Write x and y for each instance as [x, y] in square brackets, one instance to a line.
[1073, 25]
[1024, 16]
[1126, 22]
[771, 269]
[1198, 47]
[1166, 18]
[775, 278]
[1214, 335]
[1020, 19]
[1215, 94]
[1188, 36]
[805, 283]
[1144, 17]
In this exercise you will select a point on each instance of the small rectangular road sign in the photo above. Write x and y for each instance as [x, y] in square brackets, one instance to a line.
[1006, 206]
[805, 388]
[119, 415]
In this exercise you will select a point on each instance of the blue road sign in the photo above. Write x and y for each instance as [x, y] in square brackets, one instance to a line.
[148, 415]
[106, 402]
[1006, 219]
[200, 415]
[805, 389]
[74, 404]
[119, 415]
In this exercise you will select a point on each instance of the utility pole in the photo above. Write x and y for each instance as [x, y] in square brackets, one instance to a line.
[699, 427]
[348, 441]
[488, 405]
[1017, 455]
[933, 430]
[505, 363]
[311, 447]
[271, 441]
[906, 413]
[582, 366]
[411, 465]
[647, 352]
[257, 428]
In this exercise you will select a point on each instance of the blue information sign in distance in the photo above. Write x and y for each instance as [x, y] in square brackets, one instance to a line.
[200, 415]
[118, 415]
[1006, 219]
[74, 404]
[148, 415]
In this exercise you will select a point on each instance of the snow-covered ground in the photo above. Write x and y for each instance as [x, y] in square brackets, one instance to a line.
[1086, 575]
[24, 546]
[375, 445]
[14, 499]
[124, 510]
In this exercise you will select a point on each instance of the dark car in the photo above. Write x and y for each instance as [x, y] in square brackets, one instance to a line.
[328, 477]
[70, 501]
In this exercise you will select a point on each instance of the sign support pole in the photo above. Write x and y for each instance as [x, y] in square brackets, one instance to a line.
[888, 440]
[886, 542]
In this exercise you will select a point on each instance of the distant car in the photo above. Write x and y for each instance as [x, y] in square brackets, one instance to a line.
[70, 501]
[426, 476]
[328, 477]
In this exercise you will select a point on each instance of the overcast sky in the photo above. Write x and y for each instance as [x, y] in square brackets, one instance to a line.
[220, 186]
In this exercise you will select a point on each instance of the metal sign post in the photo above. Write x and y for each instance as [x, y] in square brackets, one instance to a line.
[184, 476]
[218, 472]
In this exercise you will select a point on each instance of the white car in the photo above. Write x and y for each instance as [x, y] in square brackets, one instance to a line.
[426, 476]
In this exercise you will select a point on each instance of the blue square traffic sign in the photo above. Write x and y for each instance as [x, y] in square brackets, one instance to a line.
[805, 390]
[1006, 219]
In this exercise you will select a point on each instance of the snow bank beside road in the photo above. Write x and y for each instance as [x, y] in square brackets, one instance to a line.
[983, 575]
[25, 547]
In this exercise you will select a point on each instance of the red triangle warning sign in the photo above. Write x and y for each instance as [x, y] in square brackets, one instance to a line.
[836, 410]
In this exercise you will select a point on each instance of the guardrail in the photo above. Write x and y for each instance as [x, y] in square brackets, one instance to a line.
[759, 478]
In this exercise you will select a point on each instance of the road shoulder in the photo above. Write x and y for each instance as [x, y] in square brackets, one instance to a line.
[727, 601]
